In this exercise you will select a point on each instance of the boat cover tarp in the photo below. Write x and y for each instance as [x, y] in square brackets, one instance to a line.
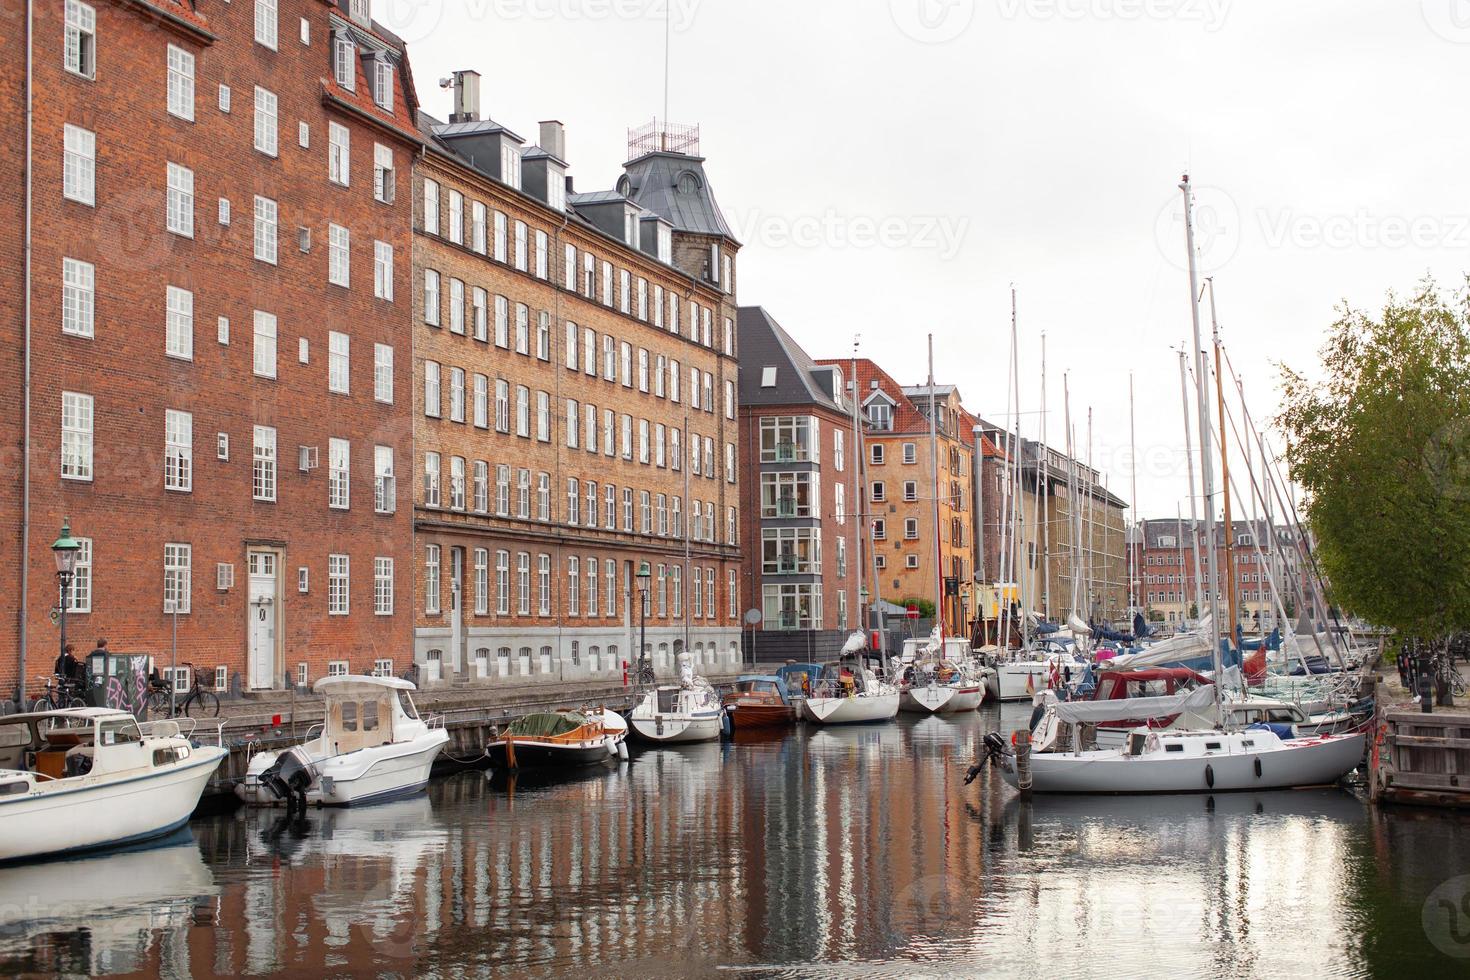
[547, 724]
[1282, 731]
[1199, 704]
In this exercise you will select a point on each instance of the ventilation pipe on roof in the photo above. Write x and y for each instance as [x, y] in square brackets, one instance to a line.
[466, 86]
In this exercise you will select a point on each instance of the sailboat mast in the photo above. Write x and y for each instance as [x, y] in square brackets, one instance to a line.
[1043, 495]
[1231, 596]
[1203, 408]
[938, 536]
[1199, 582]
[1023, 589]
[1133, 499]
[1072, 544]
[860, 512]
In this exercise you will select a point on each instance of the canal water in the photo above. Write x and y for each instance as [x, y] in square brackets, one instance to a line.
[831, 853]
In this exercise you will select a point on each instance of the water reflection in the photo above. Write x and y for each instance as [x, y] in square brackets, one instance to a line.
[839, 850]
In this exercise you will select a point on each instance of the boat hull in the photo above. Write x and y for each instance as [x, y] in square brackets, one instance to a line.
[1289, 763]
[674, 729]
[531, 754]
[758, 717]
[853, 710]
[373, 775]
[98, 814]
[941, 699]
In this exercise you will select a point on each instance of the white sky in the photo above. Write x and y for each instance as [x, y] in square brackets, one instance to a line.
[893, 165]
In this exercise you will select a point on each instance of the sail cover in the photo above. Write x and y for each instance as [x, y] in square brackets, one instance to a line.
[1197, 708]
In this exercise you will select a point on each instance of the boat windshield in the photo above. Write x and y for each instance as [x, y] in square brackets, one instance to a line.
[405, 702]
[755, 687]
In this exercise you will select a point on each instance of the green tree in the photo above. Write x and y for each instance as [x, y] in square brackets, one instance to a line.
[1381, 446]
[925, 606]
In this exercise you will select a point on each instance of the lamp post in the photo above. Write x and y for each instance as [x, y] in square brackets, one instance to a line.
[644, 575]
[64, 549]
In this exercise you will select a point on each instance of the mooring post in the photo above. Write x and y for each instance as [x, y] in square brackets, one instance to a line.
[1022, 740]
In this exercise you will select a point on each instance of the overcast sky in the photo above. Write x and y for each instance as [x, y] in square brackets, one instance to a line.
[892, 166]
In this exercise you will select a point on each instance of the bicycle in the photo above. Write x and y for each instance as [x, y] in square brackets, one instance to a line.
[162, 702]
[61, 695]
[644, 676]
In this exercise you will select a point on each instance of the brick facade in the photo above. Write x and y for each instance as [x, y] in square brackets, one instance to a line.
[624, 416]
[133, 380]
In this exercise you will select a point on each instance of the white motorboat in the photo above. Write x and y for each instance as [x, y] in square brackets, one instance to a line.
[690, 711]
[372, 747]
[91, 778]
[1194, 762]
[849, 694]
[1021, 679]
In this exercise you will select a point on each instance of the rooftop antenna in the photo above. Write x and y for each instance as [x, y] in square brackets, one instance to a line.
[668, 40]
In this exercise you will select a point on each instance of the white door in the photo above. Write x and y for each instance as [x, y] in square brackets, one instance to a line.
[261, 629]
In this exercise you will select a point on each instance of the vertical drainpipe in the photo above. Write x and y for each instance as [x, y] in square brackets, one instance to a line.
[25, 466]
[977, 490]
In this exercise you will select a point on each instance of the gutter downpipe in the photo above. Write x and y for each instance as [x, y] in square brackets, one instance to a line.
[25, 507]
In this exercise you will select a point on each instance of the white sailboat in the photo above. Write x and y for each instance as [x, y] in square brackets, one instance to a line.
[689, 711]
[932, 683]
[1203, 759]
[848, 692]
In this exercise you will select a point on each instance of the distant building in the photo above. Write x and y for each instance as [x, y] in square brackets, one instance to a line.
[1166, 569]
[798, 471]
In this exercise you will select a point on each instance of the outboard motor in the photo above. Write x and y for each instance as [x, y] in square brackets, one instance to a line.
[289, 779]
[995, 750]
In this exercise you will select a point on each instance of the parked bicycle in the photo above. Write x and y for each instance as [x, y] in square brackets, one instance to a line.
[61, 694]
[199, 701]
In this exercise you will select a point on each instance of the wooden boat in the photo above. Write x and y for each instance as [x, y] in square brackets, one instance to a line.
[559, 738]
[759, 701]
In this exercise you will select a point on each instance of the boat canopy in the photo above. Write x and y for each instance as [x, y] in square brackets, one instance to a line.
[794, 672]
[547, 724]
[1197, 705]
[757, 682]
[360, 685]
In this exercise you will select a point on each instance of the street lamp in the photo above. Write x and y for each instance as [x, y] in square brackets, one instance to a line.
[64, 550]
[644, 575]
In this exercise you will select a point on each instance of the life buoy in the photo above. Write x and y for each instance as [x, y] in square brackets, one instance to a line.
[1210, 776]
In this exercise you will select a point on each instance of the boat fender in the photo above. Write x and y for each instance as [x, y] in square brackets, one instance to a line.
[1210, 776]
[726, 731]
[1258, 768]
[622, 751]
[612, 750]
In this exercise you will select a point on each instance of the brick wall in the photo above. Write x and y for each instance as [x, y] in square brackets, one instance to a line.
[124, 509]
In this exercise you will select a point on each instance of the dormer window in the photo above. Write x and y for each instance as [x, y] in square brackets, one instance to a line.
[361, 12]
[344, 66]
[665, 243]
[383, 83]
[687, 182]
[510, 164]
[880, 414]
[556, 188]
[630, 226]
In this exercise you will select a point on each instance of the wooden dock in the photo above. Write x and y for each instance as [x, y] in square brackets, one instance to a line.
[1420, 759]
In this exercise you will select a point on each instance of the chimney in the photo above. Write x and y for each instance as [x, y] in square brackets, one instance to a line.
[554, 138]
[466, 97]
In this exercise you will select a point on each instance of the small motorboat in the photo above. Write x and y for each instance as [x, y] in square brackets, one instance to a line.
[689, 711]
[559, 738]
[85, 779]
[759, 702]
[372, 747]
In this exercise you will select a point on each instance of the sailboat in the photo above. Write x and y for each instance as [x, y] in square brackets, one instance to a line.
[689, 711]
[932, 683]
[1203, 759]
[848, 691]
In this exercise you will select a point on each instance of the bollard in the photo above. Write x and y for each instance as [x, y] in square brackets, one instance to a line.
[1426, 693]
[1022, 741]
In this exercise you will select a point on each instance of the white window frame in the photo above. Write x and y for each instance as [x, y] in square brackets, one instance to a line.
[178, 450]
[79, 165]
[267, 122]
[77, 420]
[78, 298]
[178, 560]
[180, 81]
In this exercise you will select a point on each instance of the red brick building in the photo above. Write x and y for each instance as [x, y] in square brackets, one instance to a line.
[219, 347]
[574, 409]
